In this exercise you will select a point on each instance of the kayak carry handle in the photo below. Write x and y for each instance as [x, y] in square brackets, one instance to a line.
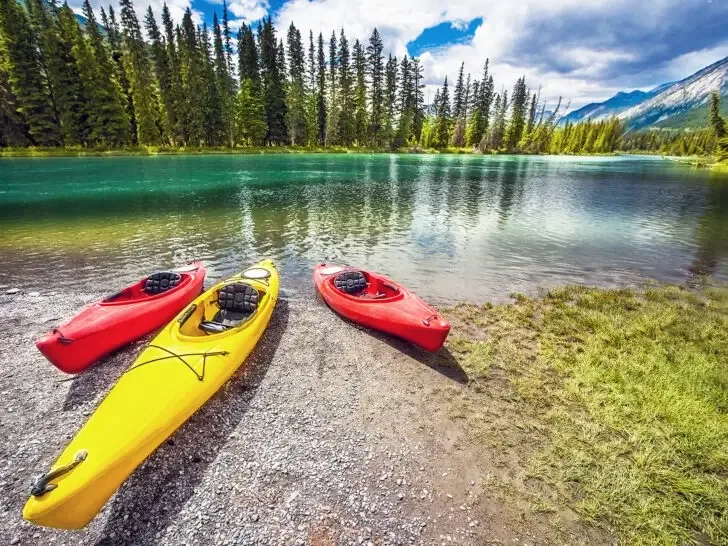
[426, 321]
[42, 484]
[63, 340]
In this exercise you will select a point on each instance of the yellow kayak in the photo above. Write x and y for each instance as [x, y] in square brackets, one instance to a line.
[188, 361]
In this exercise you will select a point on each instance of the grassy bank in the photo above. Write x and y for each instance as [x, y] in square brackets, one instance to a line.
[625, 395]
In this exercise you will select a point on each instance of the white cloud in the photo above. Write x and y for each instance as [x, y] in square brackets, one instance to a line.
[244, 11]
[573, 48]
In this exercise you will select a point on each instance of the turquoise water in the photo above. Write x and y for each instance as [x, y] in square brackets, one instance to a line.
[452, 227]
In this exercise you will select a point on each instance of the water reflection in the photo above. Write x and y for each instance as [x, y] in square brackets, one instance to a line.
[452, 227]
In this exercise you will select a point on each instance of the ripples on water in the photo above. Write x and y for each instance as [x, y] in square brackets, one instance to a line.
[451, 227]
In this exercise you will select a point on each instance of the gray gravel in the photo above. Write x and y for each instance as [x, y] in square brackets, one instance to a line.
[328, 435]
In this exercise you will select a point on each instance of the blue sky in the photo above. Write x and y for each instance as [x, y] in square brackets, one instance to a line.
[583, 50]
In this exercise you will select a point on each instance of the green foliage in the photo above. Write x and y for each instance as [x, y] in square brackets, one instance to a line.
[250, 121]
[26, 75]
[273, 85]
[296, 95]
[139, 71]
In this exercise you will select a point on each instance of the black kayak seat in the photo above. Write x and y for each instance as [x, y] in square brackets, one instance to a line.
[237, 303]
[161, 282]
[351, 282]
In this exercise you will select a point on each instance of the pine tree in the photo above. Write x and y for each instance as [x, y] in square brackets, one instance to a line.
[107, 120]
[62, 73]
[273, 85]
[224, 81]
[24, 70]
[117, 54]
[390, 100]
[333, 107]
[322, 115]
[192, 70]
[215, 131]
[164, 76]
[346, 129]
[459, 95]
[478, 125]
[13, 130]
[296, 97]
[138, 67]
[360, 95]
[716, 120]
[376, 86]
[406, 103]
[311, 103]
[175, 98]
[227, 38]
[250, 124]
[442, 136]
[517, 123]
[419, 100]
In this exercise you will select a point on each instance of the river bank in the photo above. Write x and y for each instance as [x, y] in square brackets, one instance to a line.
[582, 416]
[257, 150]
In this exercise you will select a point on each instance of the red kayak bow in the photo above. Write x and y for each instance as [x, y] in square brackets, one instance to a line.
[379, 303]
[113, 322]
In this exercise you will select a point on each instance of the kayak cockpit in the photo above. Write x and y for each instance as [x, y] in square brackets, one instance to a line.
[155, 285]
[361, 285]
[226, 308]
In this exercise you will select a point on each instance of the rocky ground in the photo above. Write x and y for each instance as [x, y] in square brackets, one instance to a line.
[329, 434]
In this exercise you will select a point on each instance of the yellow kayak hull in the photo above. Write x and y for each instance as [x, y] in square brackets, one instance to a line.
[153, 398]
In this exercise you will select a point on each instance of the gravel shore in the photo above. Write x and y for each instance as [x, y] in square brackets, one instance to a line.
[330, 434]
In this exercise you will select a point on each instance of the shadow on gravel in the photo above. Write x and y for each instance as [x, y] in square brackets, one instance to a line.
[101, 376]
[159, 489]
[442, 361]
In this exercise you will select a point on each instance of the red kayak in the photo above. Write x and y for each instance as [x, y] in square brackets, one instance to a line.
[113, 322]
[379, 303]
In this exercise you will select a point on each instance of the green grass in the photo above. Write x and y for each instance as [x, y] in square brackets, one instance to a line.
[630, 392]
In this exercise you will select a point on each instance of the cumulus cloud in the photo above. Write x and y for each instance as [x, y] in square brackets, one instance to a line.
[585, 50]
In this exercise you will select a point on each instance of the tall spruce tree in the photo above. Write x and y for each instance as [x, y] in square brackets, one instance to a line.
[13, 129]
[376, 87]
[63, 75]
[25, 74]
[163, 73]
[214, 127]
[459, 94]
[346, 92]
[175, 98]
[717, 123]
[443, 118]
[227, 39]
[360, 95]
[107, 121]
[138, 67]
[419, 104]
[311, 106]
[118, 56]
[273, 85]
[192, 70]
[322, 115]
[224, 81]
[390, 100]
[296, 97]
[517, 122]
[333, 107]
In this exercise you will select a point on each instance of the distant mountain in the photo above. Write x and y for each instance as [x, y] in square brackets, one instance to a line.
[676, 104]
[610, 107]
[680, 97]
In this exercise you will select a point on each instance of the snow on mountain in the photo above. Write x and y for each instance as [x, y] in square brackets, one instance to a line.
[643, 109]
[679, 97]
[611, 107]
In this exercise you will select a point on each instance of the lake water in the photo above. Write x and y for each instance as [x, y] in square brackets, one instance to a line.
[451, 227]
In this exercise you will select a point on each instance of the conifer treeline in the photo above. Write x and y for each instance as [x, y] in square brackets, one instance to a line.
[105, 85]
